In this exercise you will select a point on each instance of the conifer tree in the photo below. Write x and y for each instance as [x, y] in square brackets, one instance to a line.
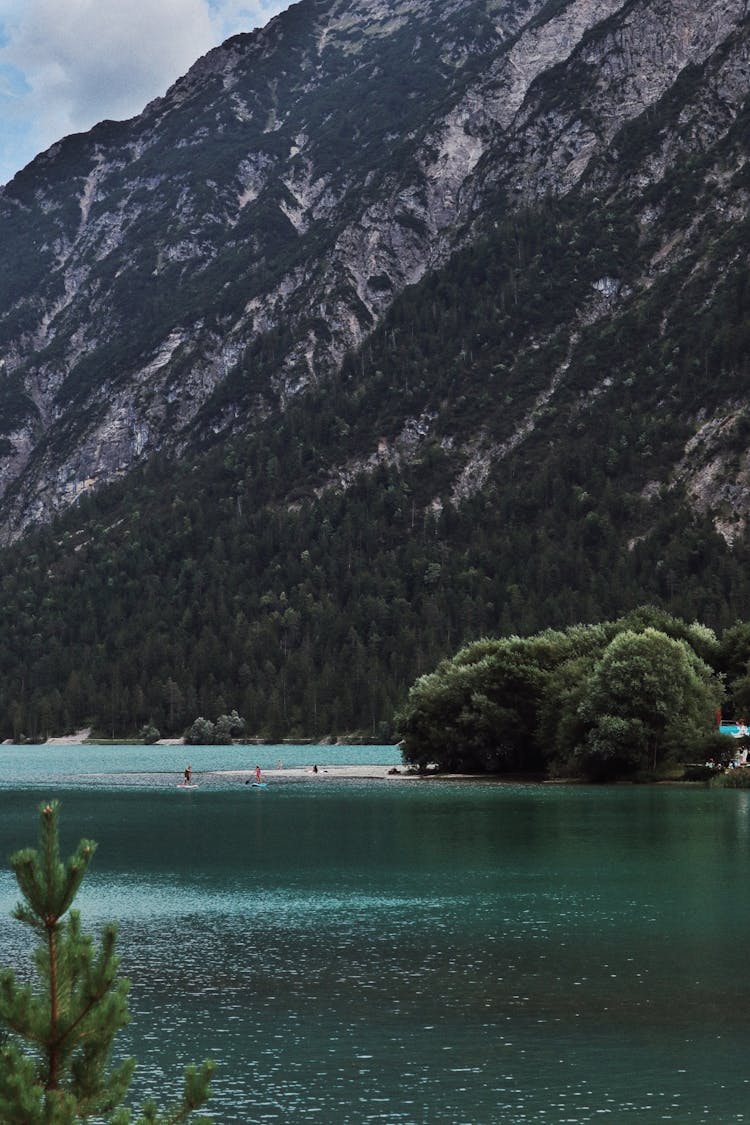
[55, 1060]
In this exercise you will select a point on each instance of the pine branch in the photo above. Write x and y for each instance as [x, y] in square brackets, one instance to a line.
[195, 1093]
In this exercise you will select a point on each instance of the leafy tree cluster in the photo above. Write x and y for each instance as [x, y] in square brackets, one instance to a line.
[204, 732]
[615, 699]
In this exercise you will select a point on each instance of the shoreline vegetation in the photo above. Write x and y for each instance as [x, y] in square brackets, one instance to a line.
[85, 737]
[640, 699]
[74, 740]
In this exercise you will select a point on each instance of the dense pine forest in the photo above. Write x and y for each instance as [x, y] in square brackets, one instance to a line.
[310, 622]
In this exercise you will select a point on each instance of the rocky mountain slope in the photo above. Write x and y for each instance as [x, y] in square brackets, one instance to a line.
[183, 276]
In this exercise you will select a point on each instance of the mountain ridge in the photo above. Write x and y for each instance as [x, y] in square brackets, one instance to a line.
[335, 241]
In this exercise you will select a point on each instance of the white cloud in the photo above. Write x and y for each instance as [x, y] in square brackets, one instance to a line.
[231, 16]
[103, 53]
[77, 62]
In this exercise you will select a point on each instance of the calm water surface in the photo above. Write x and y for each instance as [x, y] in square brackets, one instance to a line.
[416, 952]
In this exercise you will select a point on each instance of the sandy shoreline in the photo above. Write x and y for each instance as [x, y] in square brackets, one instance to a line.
[76, 739]
[352, 771]
[370, 771]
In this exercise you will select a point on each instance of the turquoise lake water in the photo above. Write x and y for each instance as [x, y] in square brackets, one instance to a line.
[412, 951]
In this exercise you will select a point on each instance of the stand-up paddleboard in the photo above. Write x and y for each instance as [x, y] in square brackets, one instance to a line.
[257, 784]
[186, 785]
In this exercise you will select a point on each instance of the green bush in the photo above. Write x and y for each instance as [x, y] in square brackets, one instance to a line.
[700, 773]
[704, 748]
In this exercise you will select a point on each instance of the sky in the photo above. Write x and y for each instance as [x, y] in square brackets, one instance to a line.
[66, 64]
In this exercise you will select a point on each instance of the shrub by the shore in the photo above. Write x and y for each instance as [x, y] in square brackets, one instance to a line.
[735, 779]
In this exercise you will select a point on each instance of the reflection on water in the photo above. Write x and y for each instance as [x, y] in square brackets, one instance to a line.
[425, 952]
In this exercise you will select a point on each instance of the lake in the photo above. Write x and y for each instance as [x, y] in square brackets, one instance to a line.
[410, 951]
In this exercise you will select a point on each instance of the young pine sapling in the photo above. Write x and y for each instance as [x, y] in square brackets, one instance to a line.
[55, 1058]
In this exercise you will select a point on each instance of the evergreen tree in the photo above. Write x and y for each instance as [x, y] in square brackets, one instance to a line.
[55, 1062]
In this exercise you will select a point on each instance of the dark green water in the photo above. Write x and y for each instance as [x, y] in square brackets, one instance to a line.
[425, 952]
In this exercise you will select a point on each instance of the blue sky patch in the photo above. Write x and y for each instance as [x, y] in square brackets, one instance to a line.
[13, 82]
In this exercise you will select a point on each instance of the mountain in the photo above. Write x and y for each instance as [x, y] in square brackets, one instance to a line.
[441, 305]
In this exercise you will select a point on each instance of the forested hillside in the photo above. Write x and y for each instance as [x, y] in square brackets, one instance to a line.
[257, 579]
[309, 622]
[492, 378]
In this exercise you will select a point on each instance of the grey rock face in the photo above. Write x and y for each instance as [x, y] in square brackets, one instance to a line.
[255, 224]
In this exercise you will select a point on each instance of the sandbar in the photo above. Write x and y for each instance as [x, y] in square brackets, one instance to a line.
[376, 772]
